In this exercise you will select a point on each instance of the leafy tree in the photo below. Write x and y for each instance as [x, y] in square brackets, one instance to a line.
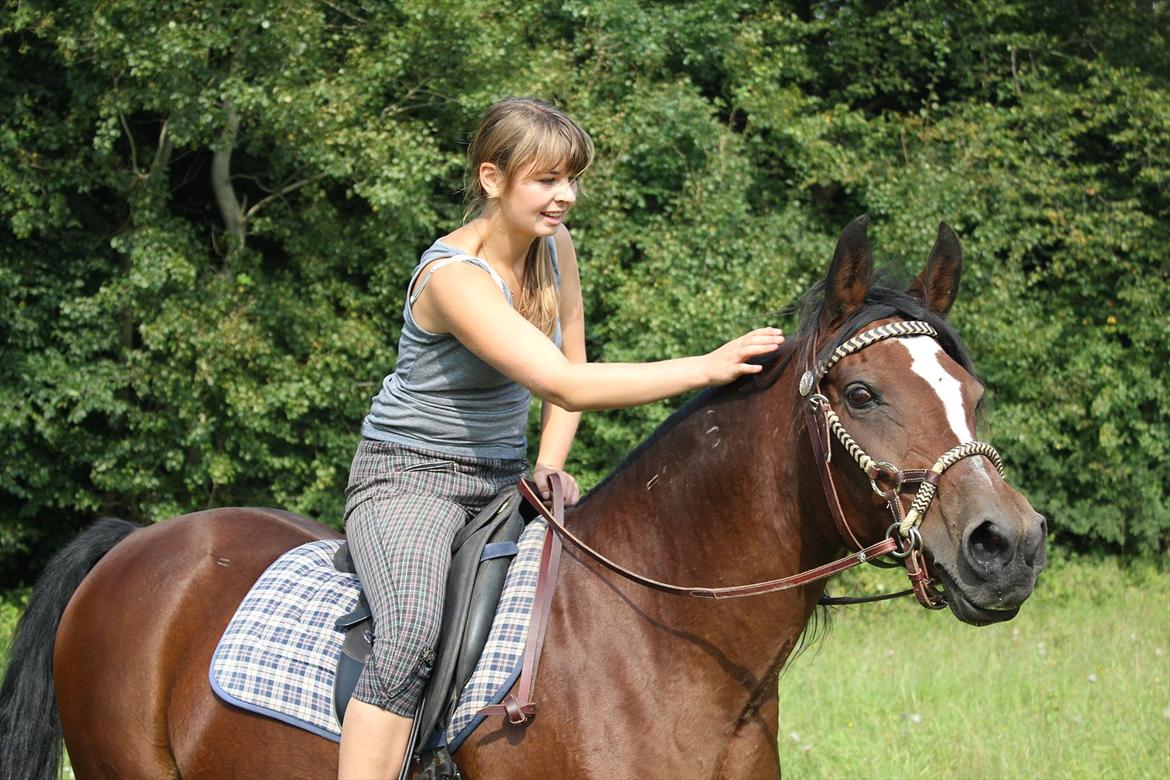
[208, 212]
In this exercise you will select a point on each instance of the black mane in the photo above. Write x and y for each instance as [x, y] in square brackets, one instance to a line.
[883, 300]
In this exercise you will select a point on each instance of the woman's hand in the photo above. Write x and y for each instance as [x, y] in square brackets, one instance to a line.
[540, 475]
[730, 361]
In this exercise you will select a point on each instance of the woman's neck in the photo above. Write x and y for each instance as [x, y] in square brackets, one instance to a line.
[489, 237]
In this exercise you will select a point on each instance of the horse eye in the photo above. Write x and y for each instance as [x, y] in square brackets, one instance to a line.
[859, 396]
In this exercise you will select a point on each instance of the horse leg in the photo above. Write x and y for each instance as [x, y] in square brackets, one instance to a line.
[135, 647]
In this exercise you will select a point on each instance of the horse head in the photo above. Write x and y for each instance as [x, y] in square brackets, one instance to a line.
[905, 397]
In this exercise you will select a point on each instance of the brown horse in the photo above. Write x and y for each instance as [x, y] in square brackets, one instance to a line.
[634, 681]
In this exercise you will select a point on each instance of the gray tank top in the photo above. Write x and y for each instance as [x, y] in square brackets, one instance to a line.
[442, 397]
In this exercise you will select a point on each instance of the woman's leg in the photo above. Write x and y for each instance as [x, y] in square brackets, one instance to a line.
[373, 742]
[403, 512]
[401, 546]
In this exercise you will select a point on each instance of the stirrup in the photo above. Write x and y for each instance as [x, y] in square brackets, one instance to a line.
[438, 765]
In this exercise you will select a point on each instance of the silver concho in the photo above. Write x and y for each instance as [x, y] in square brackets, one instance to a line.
[807, 380]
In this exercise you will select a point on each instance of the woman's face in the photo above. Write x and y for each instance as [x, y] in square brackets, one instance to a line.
[537, 201]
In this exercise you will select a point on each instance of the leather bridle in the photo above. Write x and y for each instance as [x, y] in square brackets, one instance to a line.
[886, 479]
[906, 544]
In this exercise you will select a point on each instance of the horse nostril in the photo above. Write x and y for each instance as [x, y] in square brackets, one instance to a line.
[1033, 543]
[988, 546]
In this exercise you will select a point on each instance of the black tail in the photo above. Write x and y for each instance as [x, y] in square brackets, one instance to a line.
[30, 729]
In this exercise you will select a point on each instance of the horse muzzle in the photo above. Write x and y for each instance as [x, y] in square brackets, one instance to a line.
[994, 569]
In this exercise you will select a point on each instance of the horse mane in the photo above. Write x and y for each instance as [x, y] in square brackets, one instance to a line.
[885, 298]
[773, 366]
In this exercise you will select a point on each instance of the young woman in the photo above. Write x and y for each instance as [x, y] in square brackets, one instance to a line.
[493, 315]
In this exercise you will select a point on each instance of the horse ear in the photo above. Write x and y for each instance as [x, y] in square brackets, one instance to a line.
[938, 284]
[849, 273]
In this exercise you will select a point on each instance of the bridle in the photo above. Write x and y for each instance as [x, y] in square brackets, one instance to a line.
[886, 479]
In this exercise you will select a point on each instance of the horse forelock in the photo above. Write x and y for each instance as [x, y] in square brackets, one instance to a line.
[883, 300]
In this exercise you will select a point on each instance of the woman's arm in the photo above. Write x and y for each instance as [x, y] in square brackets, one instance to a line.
[558, 426]
[462, 299]
[557, 429]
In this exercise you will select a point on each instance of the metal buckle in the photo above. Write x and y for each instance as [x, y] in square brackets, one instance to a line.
[880, 466]
[913, 540]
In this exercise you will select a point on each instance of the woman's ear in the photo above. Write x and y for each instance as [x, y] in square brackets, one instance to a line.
[491, 179]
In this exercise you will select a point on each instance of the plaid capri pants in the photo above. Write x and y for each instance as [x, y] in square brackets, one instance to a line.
[403, 509]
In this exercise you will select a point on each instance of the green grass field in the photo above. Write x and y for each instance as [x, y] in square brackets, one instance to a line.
[1077, 686]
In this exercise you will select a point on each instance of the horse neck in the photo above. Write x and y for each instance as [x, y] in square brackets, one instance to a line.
[712, 500]
[715, 497]
[699, 501]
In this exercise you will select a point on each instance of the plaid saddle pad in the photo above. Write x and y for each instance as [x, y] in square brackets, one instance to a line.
[278, 655]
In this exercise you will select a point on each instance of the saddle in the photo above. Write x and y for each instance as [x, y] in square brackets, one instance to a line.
[481, 553]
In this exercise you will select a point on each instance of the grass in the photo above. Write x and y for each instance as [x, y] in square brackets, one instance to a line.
[1076, 686]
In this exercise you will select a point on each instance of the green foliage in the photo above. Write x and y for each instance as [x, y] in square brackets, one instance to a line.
[208, 212]
[12, 606]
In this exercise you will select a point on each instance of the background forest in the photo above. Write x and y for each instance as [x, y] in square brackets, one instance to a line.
[208, 211]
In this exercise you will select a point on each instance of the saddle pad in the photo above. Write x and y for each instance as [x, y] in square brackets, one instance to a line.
[278, 655]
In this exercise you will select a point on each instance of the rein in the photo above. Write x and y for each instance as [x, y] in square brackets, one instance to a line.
[556, 520]
[822, 421]
[519, 707]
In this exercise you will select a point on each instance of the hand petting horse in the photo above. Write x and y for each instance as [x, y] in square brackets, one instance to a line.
[860, 434]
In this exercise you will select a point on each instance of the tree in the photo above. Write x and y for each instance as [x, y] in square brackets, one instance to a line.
[209, 211]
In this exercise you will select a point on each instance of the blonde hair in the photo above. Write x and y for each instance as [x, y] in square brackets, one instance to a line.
[518, 135]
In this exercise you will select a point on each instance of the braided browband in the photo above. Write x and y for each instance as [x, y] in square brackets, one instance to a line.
[900, 329]
[811, 380]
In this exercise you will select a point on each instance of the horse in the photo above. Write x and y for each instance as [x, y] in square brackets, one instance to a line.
[634, 680]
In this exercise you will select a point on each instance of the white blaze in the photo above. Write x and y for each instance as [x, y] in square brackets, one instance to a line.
[924, 361]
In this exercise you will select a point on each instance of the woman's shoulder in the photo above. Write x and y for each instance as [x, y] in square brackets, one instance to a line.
[462, 240]
[564, 254]
[451, 248]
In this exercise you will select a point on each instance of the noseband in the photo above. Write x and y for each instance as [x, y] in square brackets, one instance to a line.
[886, 479]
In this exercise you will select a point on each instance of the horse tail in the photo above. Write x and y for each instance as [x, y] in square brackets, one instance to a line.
[30, 728]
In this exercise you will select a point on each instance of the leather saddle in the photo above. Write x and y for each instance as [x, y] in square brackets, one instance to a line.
[481, 554]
